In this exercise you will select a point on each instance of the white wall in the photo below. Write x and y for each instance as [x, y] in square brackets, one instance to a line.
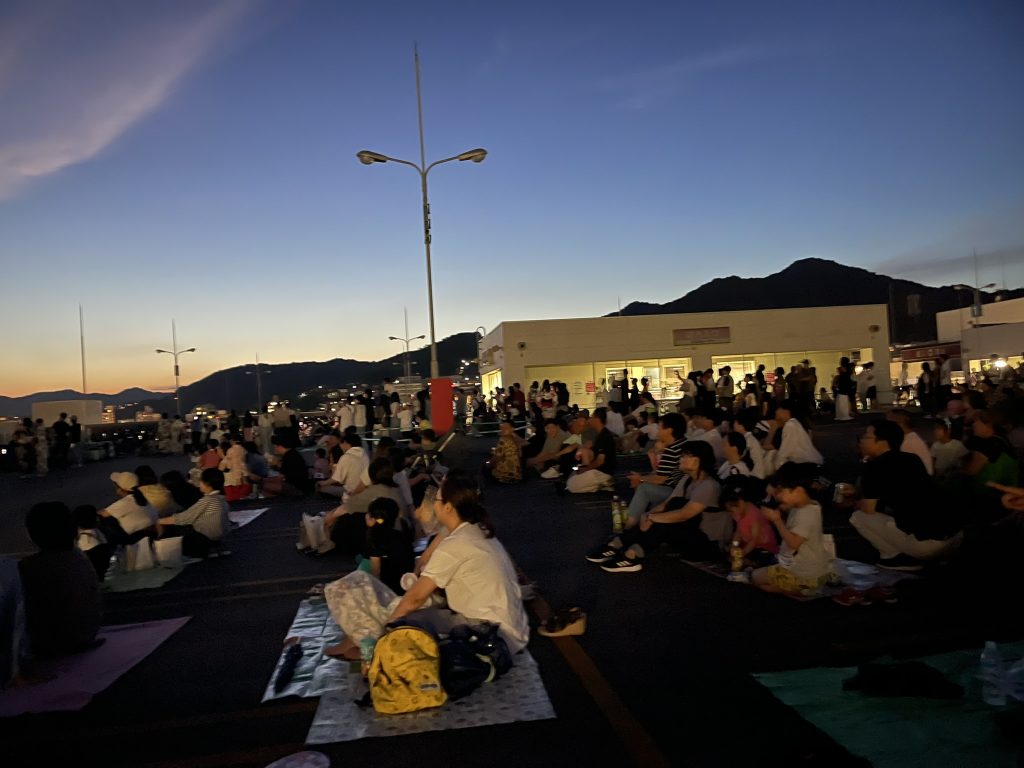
[949, 323]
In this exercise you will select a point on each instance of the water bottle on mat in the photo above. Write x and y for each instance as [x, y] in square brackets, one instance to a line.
[993, 676]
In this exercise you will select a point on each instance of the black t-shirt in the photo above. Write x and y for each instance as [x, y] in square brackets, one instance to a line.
[394, 548]
[62, 601]
[989, 447]
[61, 430]
[905, 491]
[604, 445]
[75, 432]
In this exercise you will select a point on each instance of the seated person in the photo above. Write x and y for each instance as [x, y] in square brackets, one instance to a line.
[293, 478]
[597, 463]
[348, 471]
[506, 463]
[130, 518]
[688, 520]
[62, 593]
[157, 496]
[735, 450]
[212, 456]
[902, 514]
[741, 497]
[795, 443]
[991, 459]
[554, 439]
[256, 467]
[654, 488]
[747, 423]
[204, 523]
[182, 491]
[803, 564]
[948, 451]
[387, 555]
[704, 426]
[912, 442]
[566, 458]
[346, 524]
[91, 541]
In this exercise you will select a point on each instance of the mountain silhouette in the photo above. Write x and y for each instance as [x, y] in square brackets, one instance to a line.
[816, 282]
[22, 406]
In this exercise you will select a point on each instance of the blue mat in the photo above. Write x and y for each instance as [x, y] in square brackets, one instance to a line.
[905, 732]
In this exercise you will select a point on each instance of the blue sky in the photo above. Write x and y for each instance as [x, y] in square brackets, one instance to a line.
[196, 160]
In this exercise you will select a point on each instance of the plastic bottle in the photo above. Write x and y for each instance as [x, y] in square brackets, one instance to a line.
[993, 675]
[616, 515]
[735, 557]
[366, 646]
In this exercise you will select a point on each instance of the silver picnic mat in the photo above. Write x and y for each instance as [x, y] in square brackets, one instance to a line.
[518, 696]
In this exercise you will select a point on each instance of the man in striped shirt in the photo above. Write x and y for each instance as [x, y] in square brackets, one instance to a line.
[205, 522]
[654, 488]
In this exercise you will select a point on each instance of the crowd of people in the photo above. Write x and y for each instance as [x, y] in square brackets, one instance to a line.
[719, 474]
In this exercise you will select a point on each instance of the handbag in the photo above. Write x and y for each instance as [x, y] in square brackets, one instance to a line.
[471, 655]
[311, 531]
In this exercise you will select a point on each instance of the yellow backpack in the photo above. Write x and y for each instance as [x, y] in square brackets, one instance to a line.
[405, 674]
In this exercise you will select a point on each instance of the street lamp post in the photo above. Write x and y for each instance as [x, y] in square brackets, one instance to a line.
[475, 155]
[406, 339]
[976, 312]
[259, 383]
[175, 352]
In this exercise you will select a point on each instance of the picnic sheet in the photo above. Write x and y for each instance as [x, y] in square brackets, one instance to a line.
[848, 573]
[518, 696]
[77, 678]
[242, 517]
[909, 732]
[151, 578]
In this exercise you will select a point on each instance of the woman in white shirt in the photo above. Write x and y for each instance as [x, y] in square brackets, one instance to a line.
[796, 445]
[131, 514]
[472, 567]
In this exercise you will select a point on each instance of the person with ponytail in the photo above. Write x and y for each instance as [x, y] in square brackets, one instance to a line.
[473, 568]
[131, 515]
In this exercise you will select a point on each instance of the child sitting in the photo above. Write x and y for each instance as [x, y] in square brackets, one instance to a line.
[736, 462]
[803, 563]
[211, 457]
[91, 540]
[62, 594]
[740, 497]
[948, 452]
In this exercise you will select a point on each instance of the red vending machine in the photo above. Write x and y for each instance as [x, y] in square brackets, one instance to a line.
[441, 405]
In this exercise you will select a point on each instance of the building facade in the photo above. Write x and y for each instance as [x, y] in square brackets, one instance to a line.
[588, 353]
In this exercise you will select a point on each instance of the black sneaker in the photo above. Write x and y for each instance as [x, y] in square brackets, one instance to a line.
[602, 554]
[901, 562]
[622, 565]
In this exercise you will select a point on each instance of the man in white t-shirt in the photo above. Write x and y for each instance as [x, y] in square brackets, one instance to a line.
[912, 442]
[615, 423]
[349, 469]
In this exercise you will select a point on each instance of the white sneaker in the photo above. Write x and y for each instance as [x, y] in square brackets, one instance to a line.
[551, 473]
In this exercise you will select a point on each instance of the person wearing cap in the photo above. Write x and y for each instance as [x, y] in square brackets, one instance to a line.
[131, 515]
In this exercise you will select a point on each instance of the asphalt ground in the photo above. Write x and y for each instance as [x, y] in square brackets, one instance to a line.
[662, 676]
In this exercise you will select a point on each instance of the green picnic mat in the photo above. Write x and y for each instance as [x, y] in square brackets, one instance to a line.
[907, 732]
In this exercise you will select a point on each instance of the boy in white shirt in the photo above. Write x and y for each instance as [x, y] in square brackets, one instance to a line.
[912, 442]
[804, 564]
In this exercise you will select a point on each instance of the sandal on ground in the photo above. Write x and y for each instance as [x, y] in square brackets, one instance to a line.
[566, 622]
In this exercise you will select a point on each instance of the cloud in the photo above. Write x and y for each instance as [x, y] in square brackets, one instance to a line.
[643, 88]
[73, 95]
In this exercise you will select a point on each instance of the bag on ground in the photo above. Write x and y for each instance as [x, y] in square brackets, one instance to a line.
[405, 674]
[168, 551]
[311, 531]
[471, 655]
[139, 556]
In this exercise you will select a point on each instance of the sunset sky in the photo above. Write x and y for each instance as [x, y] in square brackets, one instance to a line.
[195, 159]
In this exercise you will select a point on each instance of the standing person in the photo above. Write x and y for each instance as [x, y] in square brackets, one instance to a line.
[867, 389]
[248, 424]
[346, 416]
[359, 415]
[282, 419]
[61, 439]
[624, 390]
[945, 376]
[234, 423]
[843, 388]
[196, 433]
[178, 432]
[265, 425]
[75, 436]
[42, 446]
[925, 392]
[725, 388]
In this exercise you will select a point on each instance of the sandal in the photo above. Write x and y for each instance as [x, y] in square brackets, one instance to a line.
[566, 622]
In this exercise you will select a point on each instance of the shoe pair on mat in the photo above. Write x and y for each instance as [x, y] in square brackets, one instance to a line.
[851, 596]
[568, 621]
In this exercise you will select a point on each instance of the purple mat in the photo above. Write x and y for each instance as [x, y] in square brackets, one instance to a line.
[80, 677]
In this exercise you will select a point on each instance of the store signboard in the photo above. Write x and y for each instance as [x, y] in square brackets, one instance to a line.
[914, 354]
[688, 337]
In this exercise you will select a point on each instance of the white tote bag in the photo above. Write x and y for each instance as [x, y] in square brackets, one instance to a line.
[312, 531]
[139, 556]
[168, 551]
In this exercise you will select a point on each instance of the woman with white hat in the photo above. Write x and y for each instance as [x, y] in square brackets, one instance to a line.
[131, 514]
